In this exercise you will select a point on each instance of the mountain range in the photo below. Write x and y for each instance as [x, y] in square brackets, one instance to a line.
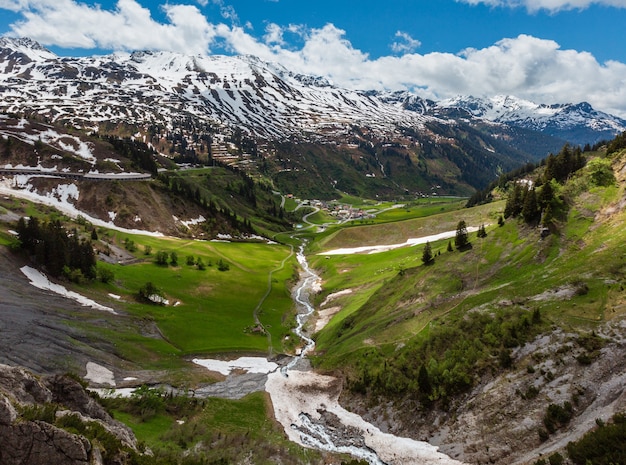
[471, 139]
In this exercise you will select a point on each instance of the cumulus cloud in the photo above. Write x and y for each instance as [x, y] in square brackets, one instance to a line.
[69, 24]
[406, 44]
[550, 5]
[524, 66]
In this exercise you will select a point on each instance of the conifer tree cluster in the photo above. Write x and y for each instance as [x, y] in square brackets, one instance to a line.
[535, 201]
[57, 251]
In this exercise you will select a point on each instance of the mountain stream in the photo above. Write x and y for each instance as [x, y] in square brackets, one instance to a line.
[307, 405]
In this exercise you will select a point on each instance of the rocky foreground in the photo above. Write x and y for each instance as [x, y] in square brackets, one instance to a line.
[32, 411]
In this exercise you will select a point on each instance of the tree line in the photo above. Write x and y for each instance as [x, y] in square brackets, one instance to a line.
[59, 252]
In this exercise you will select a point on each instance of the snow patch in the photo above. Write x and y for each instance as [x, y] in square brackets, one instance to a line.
[40, 281]
[247, 364]
[300, 398]
[98, 374]
[369, 249]
[200, 219]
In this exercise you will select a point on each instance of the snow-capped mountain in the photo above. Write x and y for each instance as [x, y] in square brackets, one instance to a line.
[265, 100]
[144, 87]
[576, 123]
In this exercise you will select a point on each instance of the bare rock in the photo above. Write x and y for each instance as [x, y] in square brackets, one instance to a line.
[23, 386]
[36, 443]
[7, 411]
[27, 441]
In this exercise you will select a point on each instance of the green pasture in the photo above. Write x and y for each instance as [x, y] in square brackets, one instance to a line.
[395, 297]
[210, 310]
[220, 431]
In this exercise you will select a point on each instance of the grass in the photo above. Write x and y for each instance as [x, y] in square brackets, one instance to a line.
[210, 310]
[396, 299]
[216, 429]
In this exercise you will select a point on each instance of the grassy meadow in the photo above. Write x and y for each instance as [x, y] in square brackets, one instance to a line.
[574, 278]
[209, 310]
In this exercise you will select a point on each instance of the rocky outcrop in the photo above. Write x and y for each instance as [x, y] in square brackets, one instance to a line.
[37, 442]
[30, 430]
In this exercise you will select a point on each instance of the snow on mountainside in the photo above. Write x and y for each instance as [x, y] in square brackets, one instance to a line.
[154, 86]
[577, 123]
[263, 99]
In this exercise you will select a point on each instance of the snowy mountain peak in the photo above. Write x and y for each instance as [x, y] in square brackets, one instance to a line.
[263, 99]
[577, 123]
[26, 47]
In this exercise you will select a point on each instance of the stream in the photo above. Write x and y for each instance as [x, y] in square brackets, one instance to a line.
[307, 403]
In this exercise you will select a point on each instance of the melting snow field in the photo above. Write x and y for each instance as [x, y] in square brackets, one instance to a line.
[383, 248]
[310, 394]
[41, 281]
[247, 364]
[59, 199]
[99, 374]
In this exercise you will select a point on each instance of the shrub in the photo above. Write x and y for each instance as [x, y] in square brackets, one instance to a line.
[555, 459]
[161, 258]
[151, 294]
[44, 412]
[557, 416]
[222, 265]
[605, 445]
[105, 275]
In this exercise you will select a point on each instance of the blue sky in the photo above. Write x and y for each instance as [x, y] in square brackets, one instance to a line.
[548, 51]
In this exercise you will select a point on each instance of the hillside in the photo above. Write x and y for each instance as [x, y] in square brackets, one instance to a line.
[123, 182]
[471, 351]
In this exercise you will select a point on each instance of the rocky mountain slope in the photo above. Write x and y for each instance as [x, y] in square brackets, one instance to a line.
[174, 101]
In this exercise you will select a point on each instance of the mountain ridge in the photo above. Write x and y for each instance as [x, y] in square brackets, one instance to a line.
[265, 99]
[283, 126]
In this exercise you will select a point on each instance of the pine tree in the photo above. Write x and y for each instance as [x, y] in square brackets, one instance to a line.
[461, 241]
[427, 255]
[530, 210]
[514, 202]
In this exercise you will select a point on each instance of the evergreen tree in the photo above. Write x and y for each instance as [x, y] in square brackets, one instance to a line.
[461, 241]
[546, 195]
[514, 202]
[424, 385]
[530, 210]
[427, 255]
[450, 249]
[481, 231]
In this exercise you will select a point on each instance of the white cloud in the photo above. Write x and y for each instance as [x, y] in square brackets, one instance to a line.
[407, 44]
[525, 66]
[274, 34]
[550, 5]
[66, 23]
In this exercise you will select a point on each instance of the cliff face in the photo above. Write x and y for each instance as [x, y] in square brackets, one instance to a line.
[34, 412]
